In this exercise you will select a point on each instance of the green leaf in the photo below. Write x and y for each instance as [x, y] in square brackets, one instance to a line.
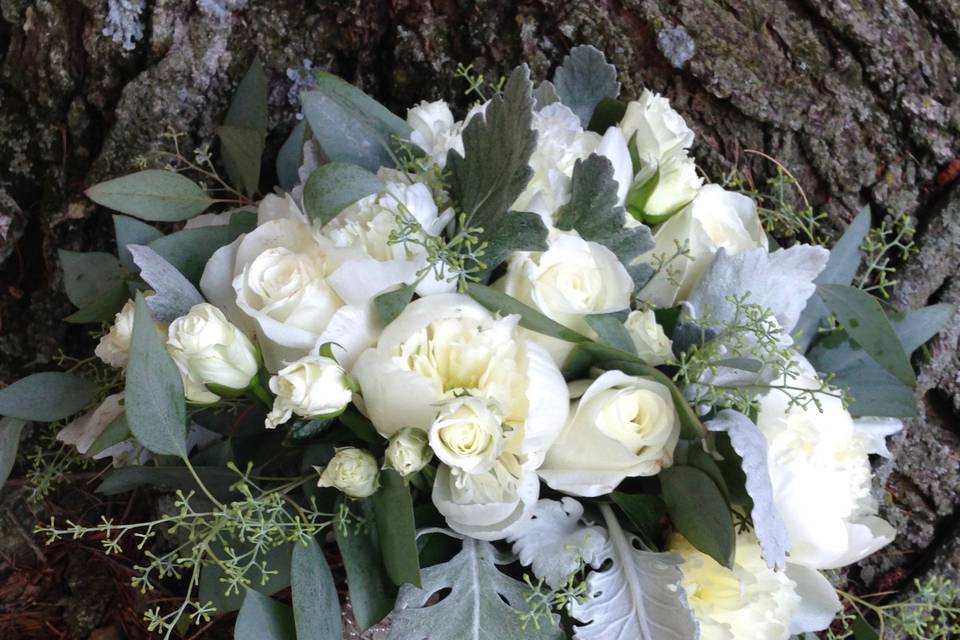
[862, 629]
[189, 250]
[349, 125]
[530, 318]
[371, 593]
[360, 426]
[608, 113]
[515, 231]
[584, 79]
[244, 132]
[154, 403]
[333, 187]
[845, 257]
[116, 432]
[316, 609]
[87, 276]
[863, 318]
[217, 479]
[263, 618]
[214, 582]
[289, 156]
[131, 231]
[104, 307]
[300, 431]
[393, 509]
[153, 194]
[611, 331]
[644, 512]
[10, 430]
[494, 169]
[390, 304]
[916, 327]
[46, 397]
[249, 105]
[699, 512]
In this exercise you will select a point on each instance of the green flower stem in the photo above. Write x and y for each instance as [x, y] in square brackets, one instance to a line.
[258, 392]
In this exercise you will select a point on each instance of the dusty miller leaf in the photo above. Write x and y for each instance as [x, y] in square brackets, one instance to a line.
[584, 79]
[174, 293]
[751, 446]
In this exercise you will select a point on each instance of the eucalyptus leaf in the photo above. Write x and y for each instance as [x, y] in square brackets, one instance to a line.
[46, 396]
[389, 305]
[393, 512]
[316, 608]
[699, 512]
[153, 194]
[371, 593]
[87, 276]
[104, 308]
[10, 430]
[644, 512]
[333, 187]
[608, 113]
[116, 432]
[530, 318]
[154, 403]
[243, 135]
[132, 231]
[583, 79]
[174, 294]
[188, 250]
[288, 158]
[263, 618]
[214, 582]
[218, 480]
[611, 331]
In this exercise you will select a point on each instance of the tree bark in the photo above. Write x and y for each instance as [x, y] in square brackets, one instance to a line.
[859, 101]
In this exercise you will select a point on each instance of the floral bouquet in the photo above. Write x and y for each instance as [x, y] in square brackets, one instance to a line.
[529, 374]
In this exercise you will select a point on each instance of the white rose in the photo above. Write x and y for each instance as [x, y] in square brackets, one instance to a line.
[352, 471]
[435, 131]
[209, 350]
[662, 188]
[716, 218]
[114, 346]
[821, 477]
[657, 127]
[445, 346]
[314, 386]
[623, 426]
[573, 278]
[468, 435]
[652, 344]
[407, 452]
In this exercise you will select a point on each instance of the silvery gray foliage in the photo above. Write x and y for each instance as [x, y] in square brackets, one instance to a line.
[553, 543]
[584, 79]
[175, 295]
[544, 94]
[638, 597]
[751, 446]
[483, 603]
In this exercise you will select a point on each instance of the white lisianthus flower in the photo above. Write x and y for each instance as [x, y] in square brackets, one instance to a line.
[446, 346]
[716, 218]
[407, 452]
[296, 291]
[371, 222]
[652, 344]
[314, 386]
[351, 471]
[748, 602]
[623, 426]
[209, 350]
[821, 478]
[114, 346]
[572, 279]
[658, 128]
[468, 435]
[663, 188]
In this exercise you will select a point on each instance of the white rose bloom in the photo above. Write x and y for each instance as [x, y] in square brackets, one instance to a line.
[209, 350]
[658, 128]
[445, 346]
[114, 346]
[572, 279]
[468, 435]
[677, 183]
[623, 426]
[435, 131]
[296, 291]
[312, 387]
[351, 471]
[652, 344]
[748, 602]
[821, 477]
[369, 223]
[408, 452]
[716, 218]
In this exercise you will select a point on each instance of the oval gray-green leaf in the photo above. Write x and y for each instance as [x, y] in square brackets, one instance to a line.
[87, 276]
[10, 430]
[699, 512]
[396, 531]
[316, 608]
[263, 618]
[333, 187]
[153, 194]
[47, 396]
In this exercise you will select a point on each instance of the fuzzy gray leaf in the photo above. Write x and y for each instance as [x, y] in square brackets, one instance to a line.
[584, 79]
[174, 293]
[751, 446]
[544, 94]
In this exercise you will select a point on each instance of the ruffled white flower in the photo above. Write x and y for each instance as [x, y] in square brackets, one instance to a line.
[623, 426]
[296, 291]
[658, 128]
[572, 279]
[651, 342]
[312, 387]
[821, 478]
[407, 452]
[716, 218]
[114, 346]
[435, 131]
[439, 349]
[351, 471]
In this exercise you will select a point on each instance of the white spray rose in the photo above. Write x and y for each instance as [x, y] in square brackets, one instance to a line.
[407, 452]
[312, 387]
[468, 435]
[716, 218]
[351, 471]
[652, 344]
[658, 128]
[623, 426]
[446, 346]
[114, 346]
[663, 188]
[821, 478]
[573, 278]
[435, 131]
[209, 350]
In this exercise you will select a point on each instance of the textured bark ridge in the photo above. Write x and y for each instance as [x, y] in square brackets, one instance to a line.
[859, 100]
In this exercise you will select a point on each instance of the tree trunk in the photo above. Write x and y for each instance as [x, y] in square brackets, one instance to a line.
[859, 101]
